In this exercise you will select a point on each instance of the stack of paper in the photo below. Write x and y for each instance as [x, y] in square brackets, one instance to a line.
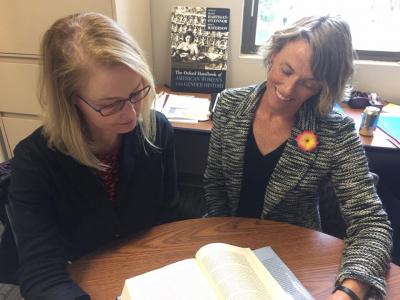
[392, 109]
[183, 108]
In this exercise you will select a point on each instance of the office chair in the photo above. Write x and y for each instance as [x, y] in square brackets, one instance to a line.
[332, 221]
[8, 248]
[391, 202]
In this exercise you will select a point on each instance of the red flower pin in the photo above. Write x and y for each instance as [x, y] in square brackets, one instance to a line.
[307, 141]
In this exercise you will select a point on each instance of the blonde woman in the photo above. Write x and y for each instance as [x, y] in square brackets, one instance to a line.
[103, 164]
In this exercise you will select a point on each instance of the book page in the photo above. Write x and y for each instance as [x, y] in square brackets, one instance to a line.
[160, 101]
[282, 274]
[236, 273]
[178, 281]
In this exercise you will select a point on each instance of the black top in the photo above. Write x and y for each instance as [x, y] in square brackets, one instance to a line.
[256, 174]
[61, 208]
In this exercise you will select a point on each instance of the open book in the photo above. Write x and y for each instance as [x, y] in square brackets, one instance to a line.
[218, 271]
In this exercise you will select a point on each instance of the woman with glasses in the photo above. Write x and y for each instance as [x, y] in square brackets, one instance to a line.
[103, 164]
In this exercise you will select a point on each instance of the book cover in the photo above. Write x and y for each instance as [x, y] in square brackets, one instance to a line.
[199, 48]
[218, 271]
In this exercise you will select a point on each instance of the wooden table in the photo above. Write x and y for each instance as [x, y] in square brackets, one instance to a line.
[313, 257]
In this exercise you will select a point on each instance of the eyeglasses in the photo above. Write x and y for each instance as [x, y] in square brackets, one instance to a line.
[118, 105]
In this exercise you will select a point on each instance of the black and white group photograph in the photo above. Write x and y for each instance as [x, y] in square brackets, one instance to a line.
[192, 46]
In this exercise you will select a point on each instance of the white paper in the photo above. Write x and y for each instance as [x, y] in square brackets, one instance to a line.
[181, 108]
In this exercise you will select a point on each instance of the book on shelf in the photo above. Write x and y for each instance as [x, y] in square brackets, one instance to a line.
[219, 271]
[183, 108]
[199, 48]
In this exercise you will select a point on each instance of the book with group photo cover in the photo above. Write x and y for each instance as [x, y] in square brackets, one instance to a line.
[199, 48]
[219, 271]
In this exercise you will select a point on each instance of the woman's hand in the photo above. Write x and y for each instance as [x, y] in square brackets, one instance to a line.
[338, 295]
[357, 287]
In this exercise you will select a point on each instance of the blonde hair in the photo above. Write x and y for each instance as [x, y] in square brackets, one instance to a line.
[68, 50]
[332, 55]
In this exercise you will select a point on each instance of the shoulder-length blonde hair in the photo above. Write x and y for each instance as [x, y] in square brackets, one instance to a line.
[332, 54]
[68, 50]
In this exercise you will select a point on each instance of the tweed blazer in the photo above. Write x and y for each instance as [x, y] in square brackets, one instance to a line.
[291, 194]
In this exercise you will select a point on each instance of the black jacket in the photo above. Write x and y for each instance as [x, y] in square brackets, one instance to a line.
[62, 211]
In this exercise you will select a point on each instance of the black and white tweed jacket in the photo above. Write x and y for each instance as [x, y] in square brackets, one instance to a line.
[291, 194]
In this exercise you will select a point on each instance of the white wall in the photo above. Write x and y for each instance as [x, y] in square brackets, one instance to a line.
[134, 17]
[382, 78]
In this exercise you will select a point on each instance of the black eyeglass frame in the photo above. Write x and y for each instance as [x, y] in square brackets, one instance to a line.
[119, 103]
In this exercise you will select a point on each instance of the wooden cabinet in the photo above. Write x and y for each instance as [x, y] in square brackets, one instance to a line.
[22, 24]
[18, 86]
[16, 128]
